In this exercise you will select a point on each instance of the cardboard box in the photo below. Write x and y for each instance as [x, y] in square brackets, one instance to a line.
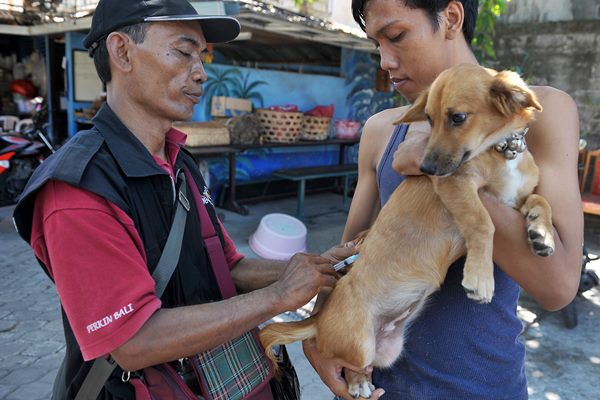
[222, 106]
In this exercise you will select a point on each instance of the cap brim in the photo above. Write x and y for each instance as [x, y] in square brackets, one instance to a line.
[216, 29]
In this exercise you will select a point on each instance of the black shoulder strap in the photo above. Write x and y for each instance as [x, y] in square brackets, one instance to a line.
[102, 368]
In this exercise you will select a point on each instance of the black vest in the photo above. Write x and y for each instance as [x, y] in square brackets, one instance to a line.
[110, 161]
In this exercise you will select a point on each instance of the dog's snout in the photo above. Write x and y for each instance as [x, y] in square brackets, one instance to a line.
[428, 167]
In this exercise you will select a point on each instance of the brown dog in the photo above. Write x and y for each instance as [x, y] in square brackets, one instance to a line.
[429, 222]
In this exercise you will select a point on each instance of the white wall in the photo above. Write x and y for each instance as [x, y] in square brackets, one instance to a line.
[341, 12]
[551, 10]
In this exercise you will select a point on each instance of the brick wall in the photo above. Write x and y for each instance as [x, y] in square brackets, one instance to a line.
[563, 54]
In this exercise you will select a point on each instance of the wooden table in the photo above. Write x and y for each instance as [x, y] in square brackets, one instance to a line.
[232, 151]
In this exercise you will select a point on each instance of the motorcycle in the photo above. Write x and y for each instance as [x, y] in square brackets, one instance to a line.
[21, 153]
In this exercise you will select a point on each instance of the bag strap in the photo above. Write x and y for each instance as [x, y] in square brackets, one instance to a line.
[213, 246]
[170, 254]
[102, 367]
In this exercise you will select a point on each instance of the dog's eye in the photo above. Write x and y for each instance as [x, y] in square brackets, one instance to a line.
[457, 119]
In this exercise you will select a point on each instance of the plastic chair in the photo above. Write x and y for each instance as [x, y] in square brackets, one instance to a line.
[8, 122]
[24, 124]
[589, 201]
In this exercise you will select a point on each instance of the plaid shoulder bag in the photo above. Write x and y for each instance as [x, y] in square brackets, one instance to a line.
[238, 369]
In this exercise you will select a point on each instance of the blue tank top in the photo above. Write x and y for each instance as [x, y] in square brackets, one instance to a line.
[456, 349]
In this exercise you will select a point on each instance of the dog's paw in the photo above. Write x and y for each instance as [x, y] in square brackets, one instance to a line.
[359, 385]
[541, 240]
[479, 286]
[362, 389]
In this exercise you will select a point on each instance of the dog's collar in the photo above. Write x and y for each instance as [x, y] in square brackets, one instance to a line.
[514, 145]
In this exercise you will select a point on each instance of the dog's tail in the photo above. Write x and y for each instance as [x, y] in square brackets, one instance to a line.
[285, 333]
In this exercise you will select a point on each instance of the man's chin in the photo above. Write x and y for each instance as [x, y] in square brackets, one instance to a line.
[411, 97]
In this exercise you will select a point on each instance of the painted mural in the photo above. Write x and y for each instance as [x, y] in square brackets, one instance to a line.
[267, 88]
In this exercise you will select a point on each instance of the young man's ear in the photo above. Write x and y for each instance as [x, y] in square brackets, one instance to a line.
[118, 45]
[453, 17]
[416, 112]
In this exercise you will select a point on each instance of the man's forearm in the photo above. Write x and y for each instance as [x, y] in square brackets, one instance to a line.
[252, 274]
[550, 280]
[179, 332]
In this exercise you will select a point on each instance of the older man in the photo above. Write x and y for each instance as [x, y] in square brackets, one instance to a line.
[98, 213]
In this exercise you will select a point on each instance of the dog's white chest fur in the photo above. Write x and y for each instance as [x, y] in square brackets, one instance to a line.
[513, 181]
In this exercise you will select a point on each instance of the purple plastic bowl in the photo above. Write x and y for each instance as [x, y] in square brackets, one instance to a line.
[278, 237]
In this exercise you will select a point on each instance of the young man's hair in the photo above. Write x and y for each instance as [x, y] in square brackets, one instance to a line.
[433, 8]
[136, 32]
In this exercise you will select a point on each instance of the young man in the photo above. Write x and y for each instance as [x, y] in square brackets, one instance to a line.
[458, 349]
[98, 212]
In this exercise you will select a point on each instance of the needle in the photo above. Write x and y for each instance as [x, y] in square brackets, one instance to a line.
[345, 262]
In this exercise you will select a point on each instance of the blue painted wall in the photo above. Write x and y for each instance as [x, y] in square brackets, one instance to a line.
[73, 41]
[352, 94]
[304, 90]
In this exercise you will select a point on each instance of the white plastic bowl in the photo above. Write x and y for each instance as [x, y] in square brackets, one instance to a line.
[278, 237]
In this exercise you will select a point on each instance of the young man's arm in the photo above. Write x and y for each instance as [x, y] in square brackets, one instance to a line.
[553, 140]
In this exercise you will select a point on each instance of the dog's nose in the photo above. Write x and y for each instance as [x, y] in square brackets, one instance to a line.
[428, 167]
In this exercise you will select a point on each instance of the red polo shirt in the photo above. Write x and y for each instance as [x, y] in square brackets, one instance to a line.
[97, 260]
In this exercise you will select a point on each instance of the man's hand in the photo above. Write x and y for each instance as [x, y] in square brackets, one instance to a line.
[330, 371]
[303, 277]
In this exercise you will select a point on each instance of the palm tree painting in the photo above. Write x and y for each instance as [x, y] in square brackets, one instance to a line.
[230, 82]
[246, 90]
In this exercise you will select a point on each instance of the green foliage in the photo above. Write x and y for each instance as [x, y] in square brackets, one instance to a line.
[302, 4]
[483, 43]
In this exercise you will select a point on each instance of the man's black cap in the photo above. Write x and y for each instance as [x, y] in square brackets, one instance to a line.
[110, 15]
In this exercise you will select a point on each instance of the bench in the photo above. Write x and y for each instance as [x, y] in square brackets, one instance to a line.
[301, 175]
[232, 151]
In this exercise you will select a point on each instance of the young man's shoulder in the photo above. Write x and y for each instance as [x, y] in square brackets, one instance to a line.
[554, 101]
[377, 132]
[380, 126]
[556, 128]
[385, 119]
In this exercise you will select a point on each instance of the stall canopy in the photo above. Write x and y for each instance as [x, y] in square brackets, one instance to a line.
[260, 21]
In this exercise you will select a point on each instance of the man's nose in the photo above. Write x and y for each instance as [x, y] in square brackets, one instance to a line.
[198, 72]
[388, 61]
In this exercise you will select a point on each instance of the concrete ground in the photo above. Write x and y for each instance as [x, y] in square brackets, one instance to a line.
[562, 364]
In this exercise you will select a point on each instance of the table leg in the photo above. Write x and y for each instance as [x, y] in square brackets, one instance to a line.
[301, 193]
[344, 201]
[231, 204]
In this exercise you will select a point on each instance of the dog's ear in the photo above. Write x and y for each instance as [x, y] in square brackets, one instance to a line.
[511, 95]
[416, 112]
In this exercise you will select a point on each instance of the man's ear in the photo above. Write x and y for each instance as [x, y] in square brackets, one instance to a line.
[118, 44]
[416, 112]
[454, 16]
[510, 95]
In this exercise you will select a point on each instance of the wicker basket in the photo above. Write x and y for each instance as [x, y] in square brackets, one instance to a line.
[280, 126]
[211, 133]
[315, 128]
